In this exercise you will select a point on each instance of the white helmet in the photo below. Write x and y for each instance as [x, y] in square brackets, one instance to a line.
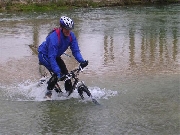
[66, 23]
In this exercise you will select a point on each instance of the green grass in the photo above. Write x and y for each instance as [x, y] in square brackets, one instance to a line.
[65, 5]
[34, 7]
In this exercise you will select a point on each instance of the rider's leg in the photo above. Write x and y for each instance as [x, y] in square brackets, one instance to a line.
[43, 59]
[64, 70]
[52, 82]
[68, 86]
[62, 65]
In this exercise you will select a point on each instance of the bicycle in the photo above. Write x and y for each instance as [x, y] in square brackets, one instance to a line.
[76, 84]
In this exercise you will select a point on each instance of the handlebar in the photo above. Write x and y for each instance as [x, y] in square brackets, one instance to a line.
[73, 73]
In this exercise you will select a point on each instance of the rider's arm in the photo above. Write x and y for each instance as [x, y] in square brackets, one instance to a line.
[52, 41]
[75, 49]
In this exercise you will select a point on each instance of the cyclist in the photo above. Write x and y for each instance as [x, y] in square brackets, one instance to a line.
[50, 51]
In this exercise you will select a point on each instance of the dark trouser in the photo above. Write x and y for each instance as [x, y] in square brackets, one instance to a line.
[53, 80]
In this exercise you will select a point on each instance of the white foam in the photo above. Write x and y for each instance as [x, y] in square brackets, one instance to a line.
[30, 91]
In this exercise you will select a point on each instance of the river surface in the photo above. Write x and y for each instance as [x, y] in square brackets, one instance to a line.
[133, 72]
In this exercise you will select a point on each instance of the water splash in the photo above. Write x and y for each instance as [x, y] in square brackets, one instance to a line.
[35, 91]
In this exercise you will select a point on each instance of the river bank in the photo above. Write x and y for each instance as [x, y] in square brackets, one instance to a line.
[45, 5]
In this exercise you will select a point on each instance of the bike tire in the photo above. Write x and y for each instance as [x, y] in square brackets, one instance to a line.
[83, 88]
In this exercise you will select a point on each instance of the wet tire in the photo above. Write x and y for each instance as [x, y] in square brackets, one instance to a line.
[83, 88]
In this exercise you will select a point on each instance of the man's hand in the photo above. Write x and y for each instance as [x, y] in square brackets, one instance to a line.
[84, 64]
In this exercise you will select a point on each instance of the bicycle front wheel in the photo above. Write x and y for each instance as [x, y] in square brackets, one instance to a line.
[83, 88]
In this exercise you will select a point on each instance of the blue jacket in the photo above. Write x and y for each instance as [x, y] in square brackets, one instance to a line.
[55, 46]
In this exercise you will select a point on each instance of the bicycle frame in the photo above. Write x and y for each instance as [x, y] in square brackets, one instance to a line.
[73, 75]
